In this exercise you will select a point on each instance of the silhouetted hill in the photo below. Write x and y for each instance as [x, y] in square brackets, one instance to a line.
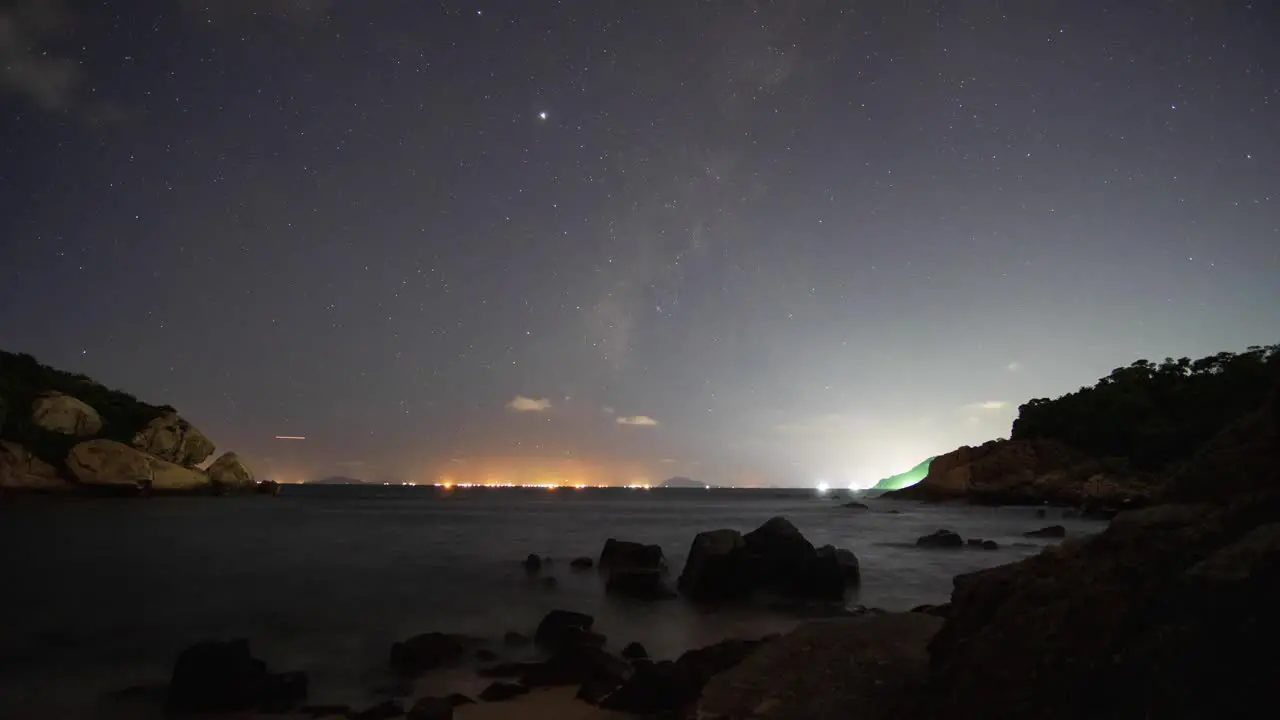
[683, 482]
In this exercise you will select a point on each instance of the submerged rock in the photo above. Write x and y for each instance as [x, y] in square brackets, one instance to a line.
[1053, 531]
[941, 539]
[559, 628]
[531, 564]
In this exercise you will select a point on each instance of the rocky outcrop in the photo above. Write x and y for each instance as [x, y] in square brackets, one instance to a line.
[774, 558]
[64, 414]
[941, 539]
[171, 438]
[666, 686]
[22, 471]
[1029, 472]
[107, 463]
[171, 477]
[213, 677]
[426, 652]
[863, 668]
[624, 554]
[1159, 616]
[229, 474]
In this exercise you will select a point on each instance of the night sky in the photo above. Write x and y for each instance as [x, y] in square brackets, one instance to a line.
[598, 240]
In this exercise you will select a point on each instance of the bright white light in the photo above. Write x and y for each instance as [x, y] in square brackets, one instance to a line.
[823, 487]
[542, 115]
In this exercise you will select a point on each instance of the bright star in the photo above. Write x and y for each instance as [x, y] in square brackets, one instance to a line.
[542, 115]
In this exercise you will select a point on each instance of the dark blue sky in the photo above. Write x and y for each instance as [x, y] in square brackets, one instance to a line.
[806, 241]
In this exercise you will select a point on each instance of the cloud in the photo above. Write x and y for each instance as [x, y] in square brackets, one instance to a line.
[987, 405]
[27, 67]
[637, 420]
[520, 403]
[1014, 366]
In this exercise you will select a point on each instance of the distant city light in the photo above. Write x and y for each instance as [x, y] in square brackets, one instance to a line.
[291, 437]
[823, 487]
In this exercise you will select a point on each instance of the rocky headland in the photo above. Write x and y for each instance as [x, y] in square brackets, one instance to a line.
[63, 433]
[1123, 442]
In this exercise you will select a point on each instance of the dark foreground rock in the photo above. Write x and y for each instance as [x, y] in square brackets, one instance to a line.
[560, 628]
[581, 563]
[774, 558]
[941, 539]
[225, 677]
[863, 668]
[624, 554]
[431, 708]
[426, 652]
[384, 710]
[1169, 613]
[1053, 531]
[669, 686]
[499, 691]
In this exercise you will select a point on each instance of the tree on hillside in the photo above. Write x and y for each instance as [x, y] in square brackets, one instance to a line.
[1154, 414]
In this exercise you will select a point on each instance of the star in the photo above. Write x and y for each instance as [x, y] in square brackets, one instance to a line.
[542, 115]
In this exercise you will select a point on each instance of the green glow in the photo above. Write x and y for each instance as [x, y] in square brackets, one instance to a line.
[906, 479]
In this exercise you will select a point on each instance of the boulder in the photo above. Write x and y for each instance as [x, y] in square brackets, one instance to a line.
[711, 570]
[559, 628]
[225, 677]
[990, 545]
[974, 542]
[170, 437]
[514, 639]
[774, 558]
[855, 505]
[624, 554]
[1052, 531]
[669, 686]
[941, 539]
[634, 651]
[426, 652]
[531, 564]
[64, 414]
[229, 474]
[171, 477]
[581, 563]
[499, 691]
[22, 471]
[107, 463]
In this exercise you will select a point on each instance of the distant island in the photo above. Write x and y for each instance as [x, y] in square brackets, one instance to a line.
[683, 482]
[341, 480]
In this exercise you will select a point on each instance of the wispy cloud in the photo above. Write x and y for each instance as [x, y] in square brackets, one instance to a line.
[1014, 366]
[987, 405]
[27, 68]
[637, 420]
[520, 403]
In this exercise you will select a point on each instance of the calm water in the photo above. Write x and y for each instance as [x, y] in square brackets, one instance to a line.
[101, 594]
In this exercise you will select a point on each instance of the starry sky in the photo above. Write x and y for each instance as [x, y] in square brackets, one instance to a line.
[745, 241]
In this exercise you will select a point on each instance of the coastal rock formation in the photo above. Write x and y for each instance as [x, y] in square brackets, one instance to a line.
[1028, 472]
[107, 463]
[941, 539]
[171, 477]
[64, 414]
[669, 686]
[225, 677]
[171, 438]
[775, 557]
[229, 474]
[559, 628]
[20, 470]
[1160, 615]
[863, 668]
[624, 554]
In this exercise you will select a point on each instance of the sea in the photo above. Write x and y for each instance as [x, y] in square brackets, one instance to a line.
[99, 595]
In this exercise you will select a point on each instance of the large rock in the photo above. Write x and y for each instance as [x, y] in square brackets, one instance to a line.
[64, 414]
[627, 555]
[560, 628]
[229, 474]
[774, 558]
[426, 652]
[107, 463]
[669, 686]
[213, 677]
[171, 477]
[22, 471]
[861, 668]
[169, 437]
